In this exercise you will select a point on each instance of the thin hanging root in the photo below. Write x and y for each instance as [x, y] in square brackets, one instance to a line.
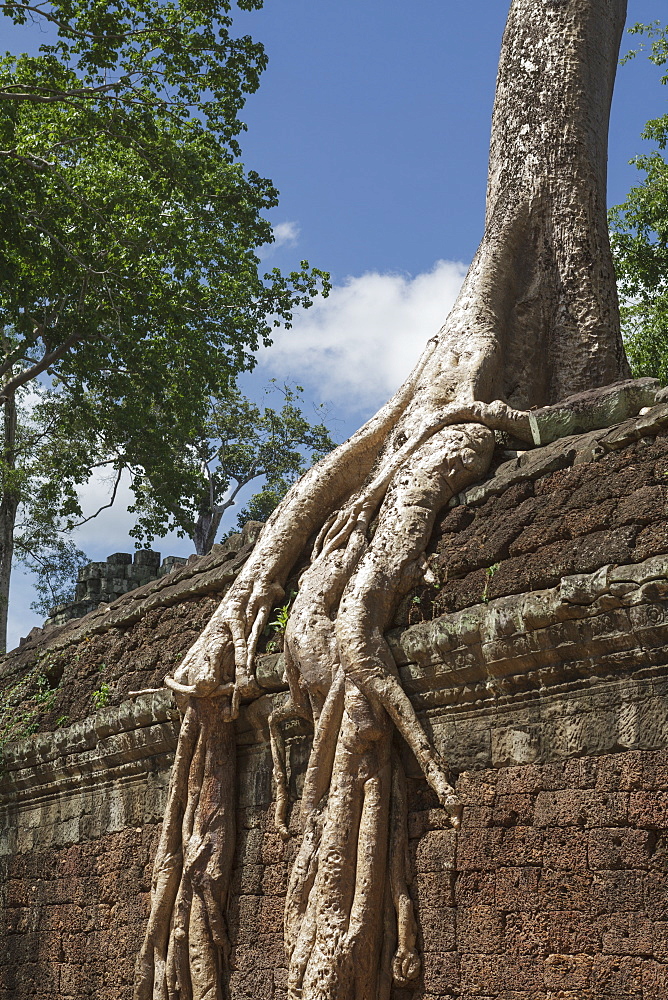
[300, 904]
[186, 936]
[406, 961]
[385, 978]
[167, 866]
[301, 879]
[321, 760]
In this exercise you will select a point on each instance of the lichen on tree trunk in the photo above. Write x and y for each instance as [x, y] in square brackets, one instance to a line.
[536, 321]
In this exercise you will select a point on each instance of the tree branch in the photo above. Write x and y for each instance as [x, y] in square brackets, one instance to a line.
[30, 373]
[76, 33]
[104, 506]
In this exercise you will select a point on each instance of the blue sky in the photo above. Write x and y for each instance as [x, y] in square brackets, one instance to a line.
[373, 121]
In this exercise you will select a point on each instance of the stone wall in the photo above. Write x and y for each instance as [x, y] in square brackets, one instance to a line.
[555, 886]
[104, 582]
[549, 698]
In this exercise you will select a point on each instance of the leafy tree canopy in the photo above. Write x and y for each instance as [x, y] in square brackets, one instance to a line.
[639, 236]
[129, 230]
[239, 443]
[131, 290]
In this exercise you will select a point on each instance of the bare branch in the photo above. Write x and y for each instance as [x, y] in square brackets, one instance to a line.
[104, 506]
[36, 161]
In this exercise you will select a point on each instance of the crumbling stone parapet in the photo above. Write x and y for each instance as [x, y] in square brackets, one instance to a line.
[103, 582]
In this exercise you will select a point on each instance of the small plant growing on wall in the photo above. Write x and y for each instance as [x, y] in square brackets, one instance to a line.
[101, 696]
[279, 624]
[490, 571]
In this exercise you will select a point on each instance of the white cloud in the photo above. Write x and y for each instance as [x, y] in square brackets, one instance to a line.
[285, 234]
[354, 347]
[110, 531]
[358, 345]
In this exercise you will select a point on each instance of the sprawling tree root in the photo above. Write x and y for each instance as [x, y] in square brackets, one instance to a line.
[536, 321]
[186, 947]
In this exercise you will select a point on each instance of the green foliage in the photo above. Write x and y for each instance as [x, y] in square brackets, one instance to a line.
[639, 238]
[129, 238]
[22, 704]
[489, 573]
[101, 696]
[279, 624]
[238, 443]
[128, 226]
[56, 570]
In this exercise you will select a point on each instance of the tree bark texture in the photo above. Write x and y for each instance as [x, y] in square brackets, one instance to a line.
[8, 507]
[536, 321]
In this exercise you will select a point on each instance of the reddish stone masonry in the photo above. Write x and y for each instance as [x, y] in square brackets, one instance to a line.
[555, 887]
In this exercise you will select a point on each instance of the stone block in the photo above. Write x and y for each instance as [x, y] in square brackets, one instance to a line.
[274, 880]
[517, 889]
[478, 849]
[565, 847]
[251, 984]
[527, 780]
[620, 772]
[513, 810]
[654, 981]
[655, 895]
[498, 973]
[441, 973]
[146, 557]
[564, 890]
[526, 934]
[437, 928]
[475, 888]
[434, 889]
[627, 934]
[477, 787]
[520, 845]
[573, 932]
[476, 817]
[618, 891]
[619, 848]
[435, 851]
[515, 746]
[568, 972]
[479, 930]
[617, 976]
[649, 809]
[119, 559]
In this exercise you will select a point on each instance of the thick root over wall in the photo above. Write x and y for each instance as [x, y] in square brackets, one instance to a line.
[536, 321]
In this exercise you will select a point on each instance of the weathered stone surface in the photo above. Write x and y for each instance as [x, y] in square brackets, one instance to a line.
[551, 705]
[564, 509]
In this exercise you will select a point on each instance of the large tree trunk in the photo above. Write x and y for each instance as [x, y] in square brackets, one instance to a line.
[9, 502]
[536, 320]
